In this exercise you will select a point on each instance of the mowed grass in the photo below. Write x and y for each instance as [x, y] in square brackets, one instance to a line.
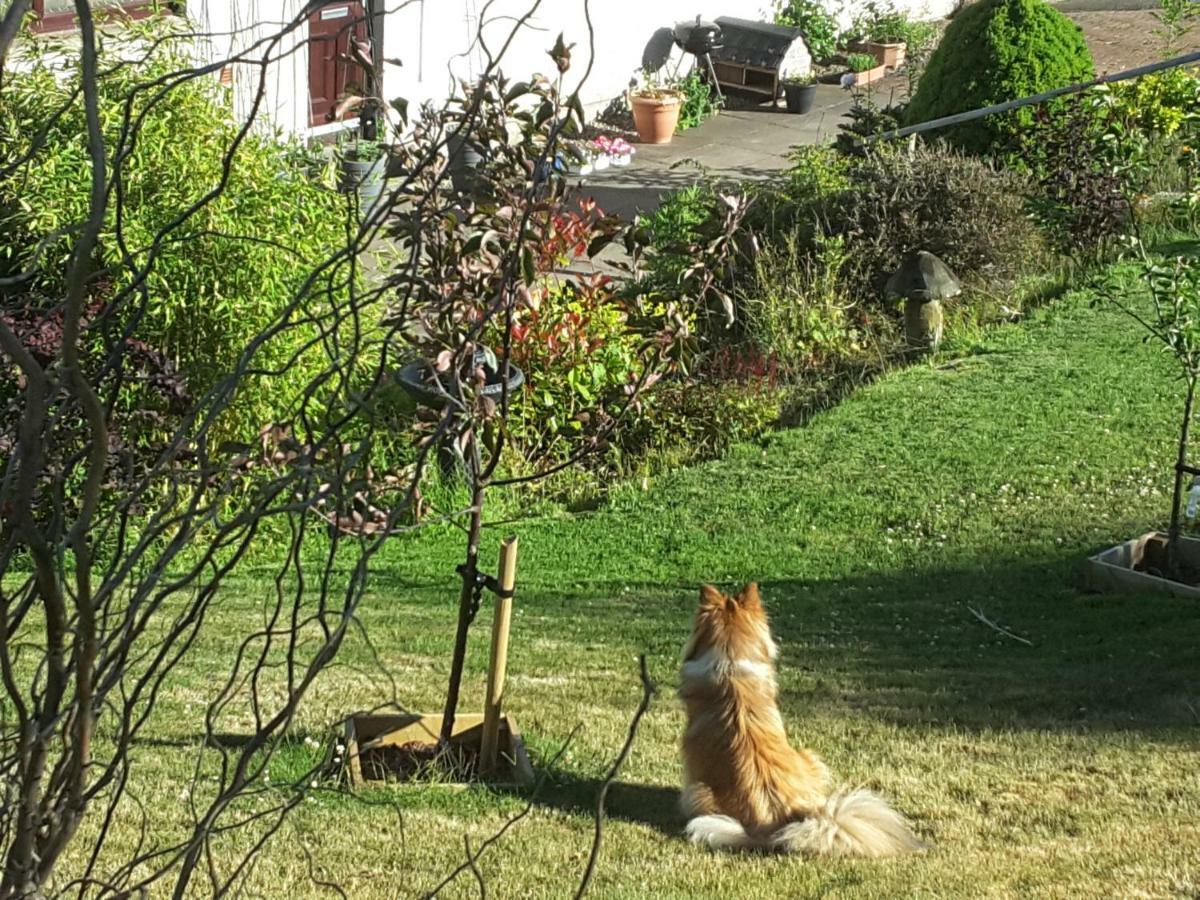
[1068, 767]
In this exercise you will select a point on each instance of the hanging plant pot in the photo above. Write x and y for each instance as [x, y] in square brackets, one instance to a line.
[418, 381]
[365, 177]
[799, 97]
[655, 117]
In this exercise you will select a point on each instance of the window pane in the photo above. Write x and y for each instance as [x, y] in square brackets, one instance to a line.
[55, 7]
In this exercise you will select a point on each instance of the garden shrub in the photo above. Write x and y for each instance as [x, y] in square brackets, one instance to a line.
[677, 219]
[221, 277]
[686, 259]
[791, 208]
[1080, 200]
[691, 419]
[963, 209]
[816, 173]
[578, 352]
[1105, 149]
[993, 51]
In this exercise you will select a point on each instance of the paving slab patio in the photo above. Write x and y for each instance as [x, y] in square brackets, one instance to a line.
[742, 143]
[738, 144]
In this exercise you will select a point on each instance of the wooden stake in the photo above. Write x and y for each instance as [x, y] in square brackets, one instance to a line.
[505, 579]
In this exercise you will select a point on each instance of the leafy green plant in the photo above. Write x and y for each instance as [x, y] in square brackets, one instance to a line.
[861, 62]
[655, 85]
[224, 272]
[579, 354]
[865, 119]
[795, 309]
[994, 51]
[697, 418]
[1083, 157]
[816, 173]
[1096, 157]
[820, 29]
[1162, 104]
[1176, 19]
[364, 150]
[920, 42]
[676, 219]
[685, 277]
[698, 101]
[881, 23]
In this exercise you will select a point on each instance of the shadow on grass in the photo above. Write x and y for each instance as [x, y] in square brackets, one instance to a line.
[654, 806]
[906, 647]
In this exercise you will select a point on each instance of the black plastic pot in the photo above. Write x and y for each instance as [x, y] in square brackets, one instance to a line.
[365, 177]
[799, 97]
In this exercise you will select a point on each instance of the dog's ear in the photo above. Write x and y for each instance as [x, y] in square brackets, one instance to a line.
[710, 596]
[748, 596]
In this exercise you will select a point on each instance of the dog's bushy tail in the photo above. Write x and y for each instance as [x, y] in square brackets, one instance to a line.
[850, 823]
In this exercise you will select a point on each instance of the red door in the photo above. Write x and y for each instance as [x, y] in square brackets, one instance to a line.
[330, 29]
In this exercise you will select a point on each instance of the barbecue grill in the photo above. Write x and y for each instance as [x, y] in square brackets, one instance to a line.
[700, 39]
[752, 56]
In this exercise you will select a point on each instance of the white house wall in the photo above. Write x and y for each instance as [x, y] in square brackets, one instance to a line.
[433, 39]
[233, 27]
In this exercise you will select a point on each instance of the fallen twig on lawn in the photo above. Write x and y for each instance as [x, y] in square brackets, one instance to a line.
[648, 690]
[998, 628]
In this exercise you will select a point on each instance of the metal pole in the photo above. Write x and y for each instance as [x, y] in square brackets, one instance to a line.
[970, 116]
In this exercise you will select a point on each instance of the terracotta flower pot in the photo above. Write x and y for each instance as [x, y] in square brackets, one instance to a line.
[890, 55]
[869, 76]
[655, 117]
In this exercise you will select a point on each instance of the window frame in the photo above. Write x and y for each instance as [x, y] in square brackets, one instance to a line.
[65, 21]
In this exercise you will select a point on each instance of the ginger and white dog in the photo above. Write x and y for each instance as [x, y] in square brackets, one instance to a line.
[744, 786]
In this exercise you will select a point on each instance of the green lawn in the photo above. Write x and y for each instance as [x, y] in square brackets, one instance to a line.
[1069, 768]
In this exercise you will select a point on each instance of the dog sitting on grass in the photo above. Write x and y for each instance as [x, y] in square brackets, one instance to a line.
[744, 786]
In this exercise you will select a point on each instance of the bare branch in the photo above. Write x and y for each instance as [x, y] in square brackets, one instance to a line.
[649, 688]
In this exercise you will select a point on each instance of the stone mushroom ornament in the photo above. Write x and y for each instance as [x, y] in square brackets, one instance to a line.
[923, 281]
